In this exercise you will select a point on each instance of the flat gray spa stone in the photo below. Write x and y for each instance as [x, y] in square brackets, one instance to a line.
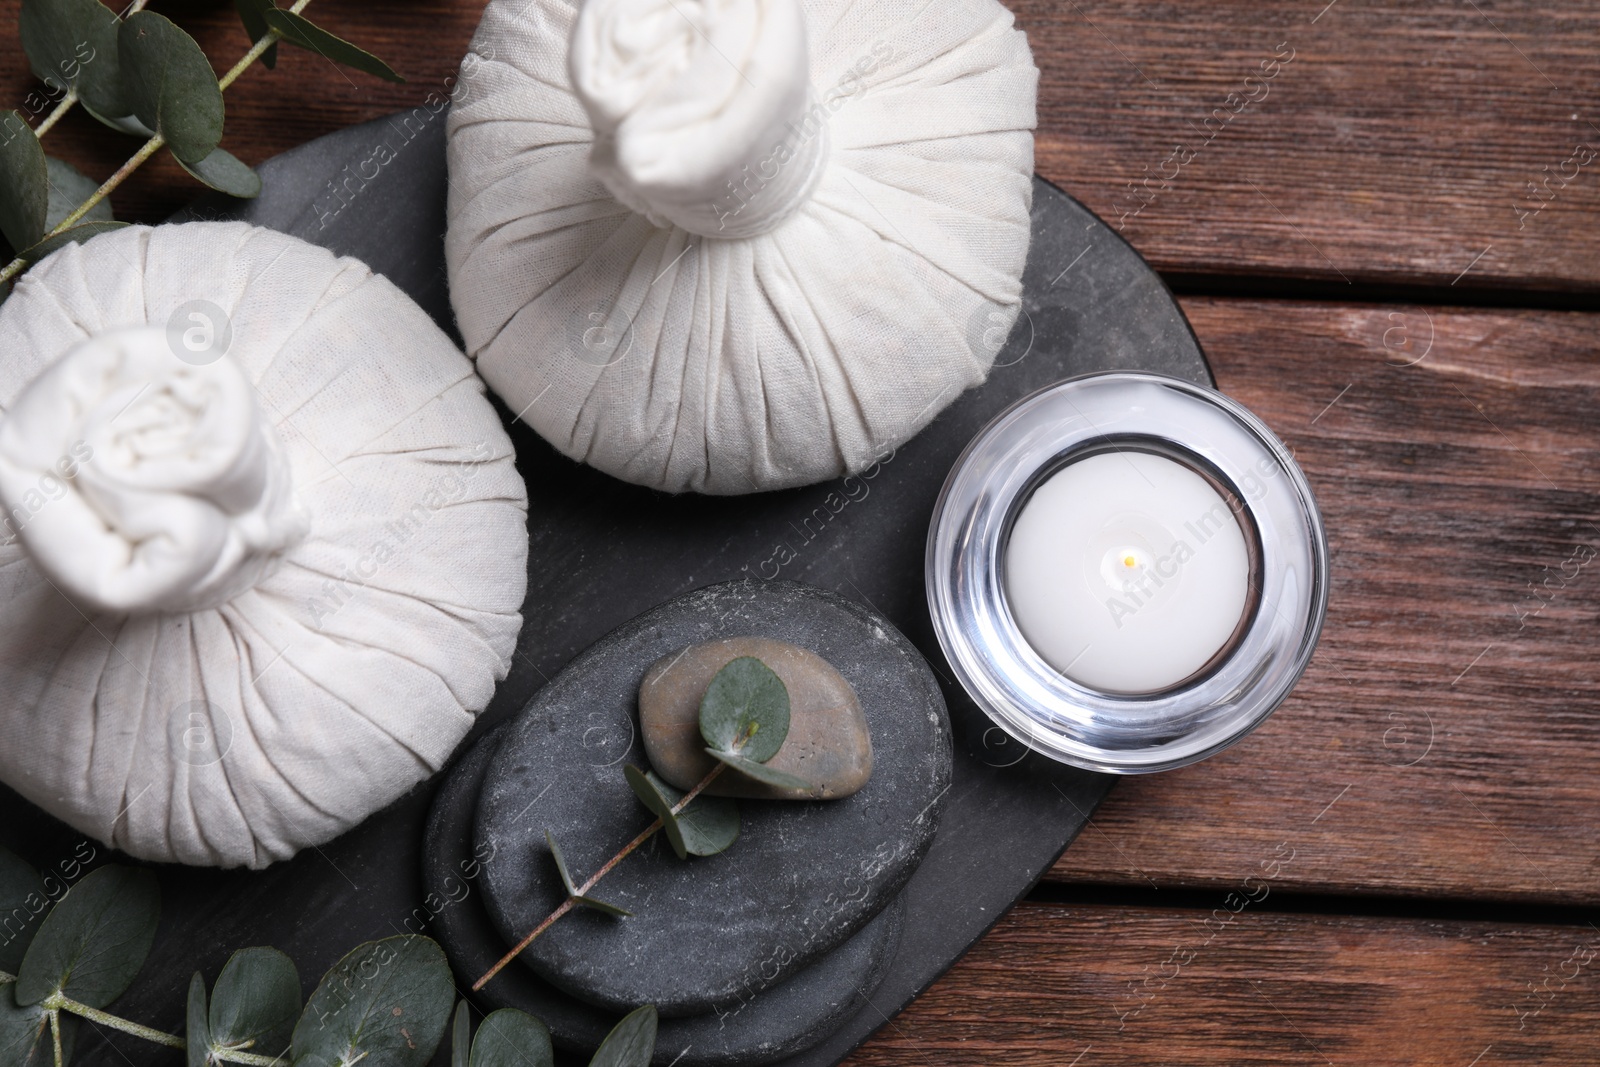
[783, 1021]
[801, 879]
[828, 743]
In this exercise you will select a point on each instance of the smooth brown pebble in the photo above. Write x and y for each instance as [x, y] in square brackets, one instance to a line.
[828, 742]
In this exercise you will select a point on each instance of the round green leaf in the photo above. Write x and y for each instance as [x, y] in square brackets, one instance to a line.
[22, 899]
[303, 33]
[73, 44]
[746, 710]
[226, 174]
[511, 1038]
[704, 828]
[632, 1043]
[24, 183]
[25, 1034]
[70, 187]
[197, 1033]
[71, 236]
[388, 1001]
[93, 943]
[461, 1035]
[762, 773]
[171, 85]
[255, 1002]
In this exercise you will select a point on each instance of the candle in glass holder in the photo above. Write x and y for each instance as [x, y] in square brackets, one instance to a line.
[1127, 572]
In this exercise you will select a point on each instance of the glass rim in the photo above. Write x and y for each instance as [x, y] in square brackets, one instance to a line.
[1042, 708]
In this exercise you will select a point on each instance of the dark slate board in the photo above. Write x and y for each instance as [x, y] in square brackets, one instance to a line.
[603, 552]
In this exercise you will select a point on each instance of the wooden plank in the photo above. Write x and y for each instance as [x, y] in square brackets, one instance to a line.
[1445, 738]
[1343, 141]
[1104, 986]
[1389, 144]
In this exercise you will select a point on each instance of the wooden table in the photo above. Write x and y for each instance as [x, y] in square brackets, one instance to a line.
[1388, 250]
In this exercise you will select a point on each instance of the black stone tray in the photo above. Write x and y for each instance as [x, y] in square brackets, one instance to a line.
[603, 551]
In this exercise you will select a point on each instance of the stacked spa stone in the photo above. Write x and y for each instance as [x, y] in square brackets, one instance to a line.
[750, 955]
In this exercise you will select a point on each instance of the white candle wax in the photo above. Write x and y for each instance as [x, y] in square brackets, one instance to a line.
[1127, 572]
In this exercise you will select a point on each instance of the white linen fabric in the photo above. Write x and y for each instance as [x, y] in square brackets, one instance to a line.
[738, 245]
[246, 603]
[188, 502]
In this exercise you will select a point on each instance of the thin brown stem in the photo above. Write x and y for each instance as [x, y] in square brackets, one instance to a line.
[594, 880]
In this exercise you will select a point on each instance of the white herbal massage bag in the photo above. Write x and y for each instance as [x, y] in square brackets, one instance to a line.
[263, 546]
[737, 245]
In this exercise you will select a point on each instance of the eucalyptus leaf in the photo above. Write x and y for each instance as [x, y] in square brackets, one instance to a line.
[303, 33]
[746, 710]
[255, 1002]
[709, 824]
[71, 236]
[386, 1003]
[601, 906]
[70, 187]
[94, 941]
[632, 1043]
[461, 1036]
[761, 772]
[226, 174]
[572, 888]
[512, 1038]
[24, 183]
[197, 1032]
[128, 124]
[22, 901]
[73, 44]
[651, 797]
[25, 1034]
[253, 14]
[704, 828]
[171, 85]
[561, 864]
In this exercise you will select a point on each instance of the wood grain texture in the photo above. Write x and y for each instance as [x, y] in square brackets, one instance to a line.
[1395, 146]
[1108, 986]
[1444, 742]
[1392, 142]
[1445, 739]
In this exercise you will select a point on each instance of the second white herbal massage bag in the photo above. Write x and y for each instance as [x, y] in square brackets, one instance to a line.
[738, 245]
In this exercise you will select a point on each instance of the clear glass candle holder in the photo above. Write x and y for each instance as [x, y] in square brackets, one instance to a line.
[1044, 708]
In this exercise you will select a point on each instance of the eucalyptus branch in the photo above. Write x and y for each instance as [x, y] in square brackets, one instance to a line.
[61, 108]
[59, 1002]
[255, 1059]
[151, 147]
[258, 49]
[594, 880]
[67, 102]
